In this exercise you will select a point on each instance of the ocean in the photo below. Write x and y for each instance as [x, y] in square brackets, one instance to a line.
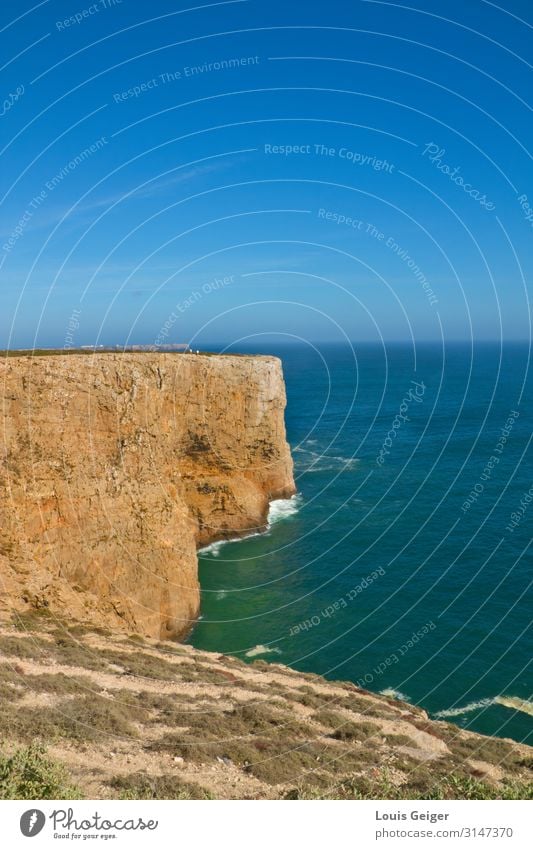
[404, 562]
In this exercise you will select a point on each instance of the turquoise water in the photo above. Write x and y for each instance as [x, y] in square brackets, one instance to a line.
[378, 572]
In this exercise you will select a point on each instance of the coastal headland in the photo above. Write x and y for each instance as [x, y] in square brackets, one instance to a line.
[114, 470]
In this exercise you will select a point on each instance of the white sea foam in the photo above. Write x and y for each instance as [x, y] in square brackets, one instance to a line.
[316, 462]
[511, 702]
[280, 508]
[213, 548]
[458, 711]
[515, 703]
[257, 650]
[394, 694]
[283, 508]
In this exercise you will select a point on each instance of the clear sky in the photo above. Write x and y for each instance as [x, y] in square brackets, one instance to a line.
[323, 170]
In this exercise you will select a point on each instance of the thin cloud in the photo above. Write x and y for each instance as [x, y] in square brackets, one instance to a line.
[154, 187]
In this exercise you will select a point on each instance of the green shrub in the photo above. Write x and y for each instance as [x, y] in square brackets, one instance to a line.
[141, 786]
[426, 786]
[27, 648]
[353, 731]
[30, 774]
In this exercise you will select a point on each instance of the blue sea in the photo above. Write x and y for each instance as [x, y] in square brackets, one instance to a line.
[404, 562]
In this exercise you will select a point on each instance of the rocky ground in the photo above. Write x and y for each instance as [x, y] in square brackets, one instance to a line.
[129, 717]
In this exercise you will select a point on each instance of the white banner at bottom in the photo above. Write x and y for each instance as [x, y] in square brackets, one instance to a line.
[258, 824]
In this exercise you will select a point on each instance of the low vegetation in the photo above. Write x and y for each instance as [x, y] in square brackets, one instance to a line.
[431, 788]
[30, 774]
[139, 786]
[88, 714]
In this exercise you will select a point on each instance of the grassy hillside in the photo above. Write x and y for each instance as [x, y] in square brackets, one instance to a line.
[91, 715]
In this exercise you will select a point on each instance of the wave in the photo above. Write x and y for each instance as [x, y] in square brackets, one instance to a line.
[213, 548]
[257, 650]
[394, 694]
[283, 508]
[479, 705]
[320, 462]
[515, 703]
[511, 702]
[280, 508]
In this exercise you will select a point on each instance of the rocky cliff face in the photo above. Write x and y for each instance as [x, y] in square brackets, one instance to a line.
[114, 468]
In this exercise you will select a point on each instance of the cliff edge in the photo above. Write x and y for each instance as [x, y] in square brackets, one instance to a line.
[115, 468]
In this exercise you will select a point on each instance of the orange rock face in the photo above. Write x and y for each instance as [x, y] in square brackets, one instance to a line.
[114, 468]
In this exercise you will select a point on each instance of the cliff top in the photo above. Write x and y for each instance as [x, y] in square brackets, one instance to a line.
[107, 352]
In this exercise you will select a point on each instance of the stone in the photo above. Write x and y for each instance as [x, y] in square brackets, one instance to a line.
[115, 468]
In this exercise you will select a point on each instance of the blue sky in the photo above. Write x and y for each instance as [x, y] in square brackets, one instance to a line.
[318, 170]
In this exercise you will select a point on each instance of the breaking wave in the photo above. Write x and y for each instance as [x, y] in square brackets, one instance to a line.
[213, 548]
[511, 702]
[283, 508]
[316, 462]
[280, 508]
[257, 650]
[394, 694]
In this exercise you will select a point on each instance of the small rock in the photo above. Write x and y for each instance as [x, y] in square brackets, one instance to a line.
[178, 760]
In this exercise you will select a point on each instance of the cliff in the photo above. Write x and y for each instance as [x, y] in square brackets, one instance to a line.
[114, 468]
